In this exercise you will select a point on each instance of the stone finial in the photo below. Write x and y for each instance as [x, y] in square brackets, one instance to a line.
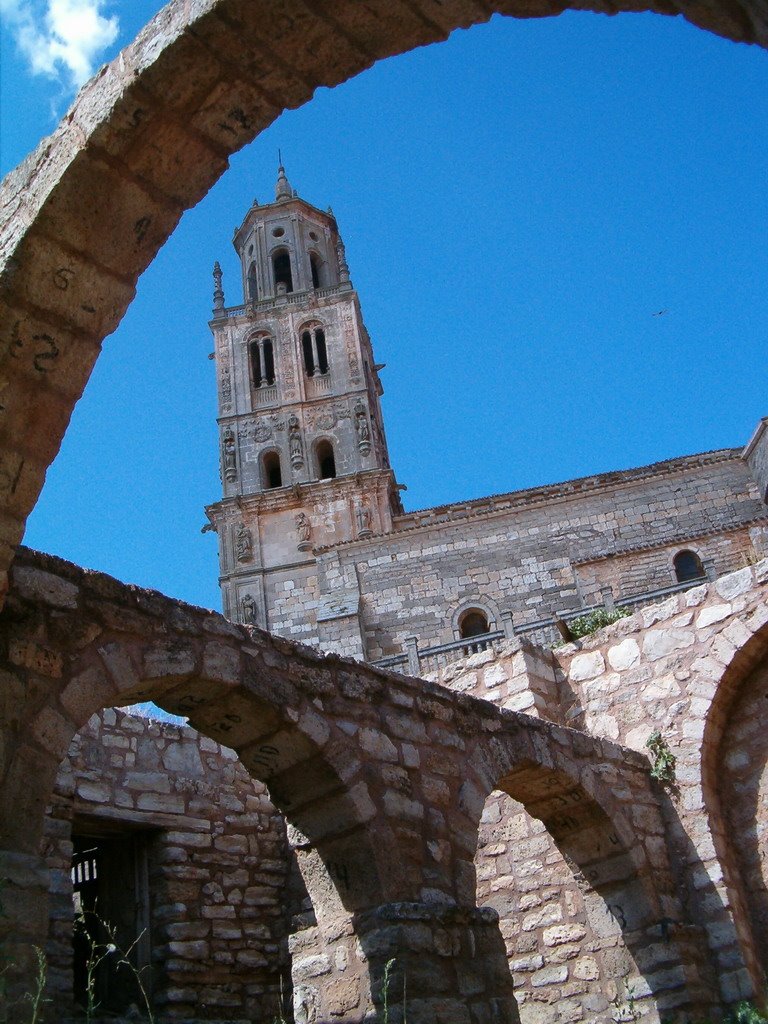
[283, 188]
[218, 291]
[341, 255]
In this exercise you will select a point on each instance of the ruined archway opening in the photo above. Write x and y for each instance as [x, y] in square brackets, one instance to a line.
[570, 906]
[160, 844]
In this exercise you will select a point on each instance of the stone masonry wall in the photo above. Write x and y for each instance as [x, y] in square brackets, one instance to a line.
[665, 668]
[547, 550]
[217, 863]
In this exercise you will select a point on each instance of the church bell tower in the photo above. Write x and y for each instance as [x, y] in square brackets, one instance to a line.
[304, 463]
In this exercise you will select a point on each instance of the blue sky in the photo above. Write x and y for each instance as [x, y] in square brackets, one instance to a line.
[517, 203]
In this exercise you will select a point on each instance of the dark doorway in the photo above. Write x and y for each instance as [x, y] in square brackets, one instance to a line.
[111, 905]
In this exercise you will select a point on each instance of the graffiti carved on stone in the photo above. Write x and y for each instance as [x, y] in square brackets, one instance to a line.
[248, 607]
[244, 544]
[228, 455]
[295, 443]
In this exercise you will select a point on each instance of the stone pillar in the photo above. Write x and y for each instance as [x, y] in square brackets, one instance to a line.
[606, 595]
[23, 921]
[437, 963]
[412, 649]
[709, 569]
[508, 625]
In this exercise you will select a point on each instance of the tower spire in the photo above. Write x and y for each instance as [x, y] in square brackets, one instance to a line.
[283, 188]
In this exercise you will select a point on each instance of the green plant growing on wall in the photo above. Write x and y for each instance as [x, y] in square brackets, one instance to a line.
[585, 625]
[663, 760]
[98, 952]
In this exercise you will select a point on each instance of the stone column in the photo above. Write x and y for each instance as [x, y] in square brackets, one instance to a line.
[23, 921]
[606, 594]
[508, 625]
[437, 963]
[412, 649]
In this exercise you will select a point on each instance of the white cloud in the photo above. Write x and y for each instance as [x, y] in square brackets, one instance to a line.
[61, 39]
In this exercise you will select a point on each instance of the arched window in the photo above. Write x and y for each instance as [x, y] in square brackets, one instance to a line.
[281, 265]
[271, 473]
[316, 267]
[688, 566]
[473, 622]
[253, 287]
[262, 362]
[326, 461]
[314, 350]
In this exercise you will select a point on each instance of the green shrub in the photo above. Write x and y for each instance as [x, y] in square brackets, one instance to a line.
[586, 624]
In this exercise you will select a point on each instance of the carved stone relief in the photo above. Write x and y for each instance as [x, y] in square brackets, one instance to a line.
[295, 443]
[304, 531]
[363, 429]
[249, 610]
[244, 544]
[364, 518]
[228, 455]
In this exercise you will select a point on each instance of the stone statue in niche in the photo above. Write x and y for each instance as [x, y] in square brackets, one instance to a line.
[244, 544]
[248, 606]
[364, 520]
[362, 428]
[228, 453]
[294, 442]
[304, 530]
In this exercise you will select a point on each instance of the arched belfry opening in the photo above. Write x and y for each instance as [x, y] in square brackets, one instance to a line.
[271, 471]
[281, 267]
[316, 270]
[253, 284]
[326, 460]
[314, 351]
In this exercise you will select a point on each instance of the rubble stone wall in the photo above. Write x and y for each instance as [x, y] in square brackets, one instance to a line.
[691, 668]
[217, 861]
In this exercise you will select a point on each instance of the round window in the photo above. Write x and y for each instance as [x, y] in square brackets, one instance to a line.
[313, 235]
[278, 232]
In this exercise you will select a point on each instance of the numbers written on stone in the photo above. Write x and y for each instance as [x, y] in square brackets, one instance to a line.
[62, 277]
[226, 723]
[265, 757]
[41, 347]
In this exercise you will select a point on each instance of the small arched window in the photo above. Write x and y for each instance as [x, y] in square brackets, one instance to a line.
[281, 265]
[326, 461]
[271, 472]
[262, 362]
[253, 286]
[688, 566]
[473, 622]
[314, 351]
[316, 266]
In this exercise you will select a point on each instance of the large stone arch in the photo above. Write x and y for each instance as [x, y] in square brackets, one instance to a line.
[734, 765]
[606, 822]
[360, 762]
[146, 139]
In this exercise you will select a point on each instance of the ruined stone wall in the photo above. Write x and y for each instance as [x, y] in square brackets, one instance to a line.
[666, 668]
[217, 856]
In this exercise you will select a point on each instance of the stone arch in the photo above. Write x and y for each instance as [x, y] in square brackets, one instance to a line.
[607, 827]
[734, 769]
[146, 139]
[338, 744]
